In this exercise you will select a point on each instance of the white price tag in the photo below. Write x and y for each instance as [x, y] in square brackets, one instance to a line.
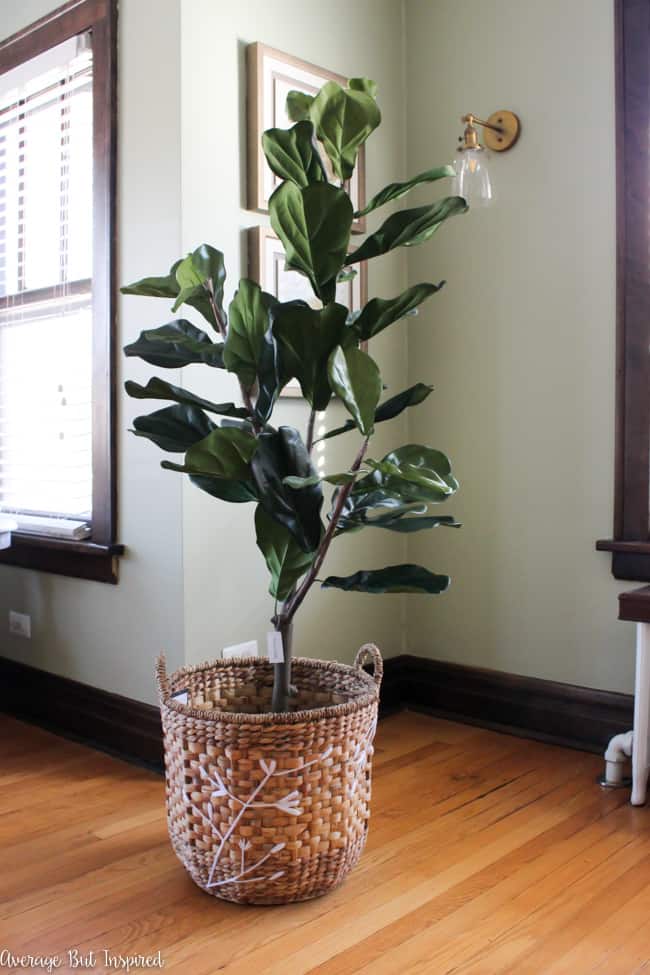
[274, 647]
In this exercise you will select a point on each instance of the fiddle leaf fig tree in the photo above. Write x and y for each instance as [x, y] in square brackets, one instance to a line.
[235, 452]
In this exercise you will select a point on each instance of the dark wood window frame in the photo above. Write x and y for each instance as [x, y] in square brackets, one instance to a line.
[97, 558]
[630, 546]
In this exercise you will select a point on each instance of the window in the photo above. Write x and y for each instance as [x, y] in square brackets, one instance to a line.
[57, 148]
[46, 169]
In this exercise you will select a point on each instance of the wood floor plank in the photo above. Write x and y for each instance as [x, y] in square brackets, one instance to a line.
[487, 855]
[234, 940]
[470, 911]
[602, 947]
[366, 904]
[551, 929]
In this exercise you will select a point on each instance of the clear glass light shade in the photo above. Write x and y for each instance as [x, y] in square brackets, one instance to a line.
[472, 180]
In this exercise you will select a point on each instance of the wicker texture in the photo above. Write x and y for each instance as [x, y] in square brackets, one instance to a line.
[267, 808]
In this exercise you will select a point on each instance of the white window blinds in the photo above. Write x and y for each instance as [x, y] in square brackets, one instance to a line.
[46, 207]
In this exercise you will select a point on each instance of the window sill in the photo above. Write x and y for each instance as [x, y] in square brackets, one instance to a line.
[630, 559]
[79, 559]
[610, 545]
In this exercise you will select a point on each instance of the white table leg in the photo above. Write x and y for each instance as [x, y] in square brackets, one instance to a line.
[641, 715]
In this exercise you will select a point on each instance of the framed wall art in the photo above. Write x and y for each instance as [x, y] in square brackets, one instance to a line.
[266, 266]
[271, 75]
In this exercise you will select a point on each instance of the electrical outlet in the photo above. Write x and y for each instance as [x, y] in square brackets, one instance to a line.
[20, 624]
[240, 650]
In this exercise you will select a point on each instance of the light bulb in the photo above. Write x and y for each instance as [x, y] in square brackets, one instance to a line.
[472, 180]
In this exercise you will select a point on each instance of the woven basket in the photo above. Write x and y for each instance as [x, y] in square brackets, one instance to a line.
[267, 808]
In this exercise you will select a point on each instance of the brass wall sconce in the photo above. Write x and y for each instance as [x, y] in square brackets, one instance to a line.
[500, 132]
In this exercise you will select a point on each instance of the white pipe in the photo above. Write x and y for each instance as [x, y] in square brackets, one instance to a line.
[617, 754]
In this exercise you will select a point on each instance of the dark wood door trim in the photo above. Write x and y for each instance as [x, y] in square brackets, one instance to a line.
[632, 448]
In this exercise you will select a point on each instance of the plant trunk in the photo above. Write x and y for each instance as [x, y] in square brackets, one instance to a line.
[282, 671]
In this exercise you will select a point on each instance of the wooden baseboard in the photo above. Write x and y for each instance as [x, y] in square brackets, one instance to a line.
[562, 714]
[110, 722]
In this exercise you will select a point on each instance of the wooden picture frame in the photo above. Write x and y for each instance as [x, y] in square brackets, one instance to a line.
[266, 266]
[270, 75]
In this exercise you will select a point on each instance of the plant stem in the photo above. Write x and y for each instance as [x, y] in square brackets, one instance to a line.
[221, 325]
[284, 622]
[248, 403]
[309, 443]
[282, 671]
[296, 600]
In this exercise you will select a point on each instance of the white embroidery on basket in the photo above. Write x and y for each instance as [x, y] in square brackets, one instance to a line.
[289, 804]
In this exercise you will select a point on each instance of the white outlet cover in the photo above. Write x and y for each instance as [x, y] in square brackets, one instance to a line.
[248, 649]
[20, 624]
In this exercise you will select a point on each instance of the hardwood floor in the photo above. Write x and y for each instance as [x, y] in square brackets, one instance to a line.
[487, 854]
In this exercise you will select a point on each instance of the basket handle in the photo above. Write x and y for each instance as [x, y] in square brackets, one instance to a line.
[370, 650]
[162, 680]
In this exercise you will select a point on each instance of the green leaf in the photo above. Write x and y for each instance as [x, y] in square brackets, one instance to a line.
[175, 429]
[237, 492]
[251, 349]
[285, 560]
[403, 483]
[313, 224]
[405, 523]
[187, 275]
[354, 377]
[249, 323]
[298, 105]
[190, 283]
[348, 275]
[375, 508]
[268, 377]
[401, 401]
[379, 313]
[343, 120]
[201, 274]
[224, 453]
[282, 454]
[407, 228]
[159, 389]
[163, 287]
[292, 155]
[209, 264]
[394, 191]
[414, 473]
[177, 344]
[345, 477]
[297, 483]
[306, 339]
[389, 409]
[363, 84]
[394, 578]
